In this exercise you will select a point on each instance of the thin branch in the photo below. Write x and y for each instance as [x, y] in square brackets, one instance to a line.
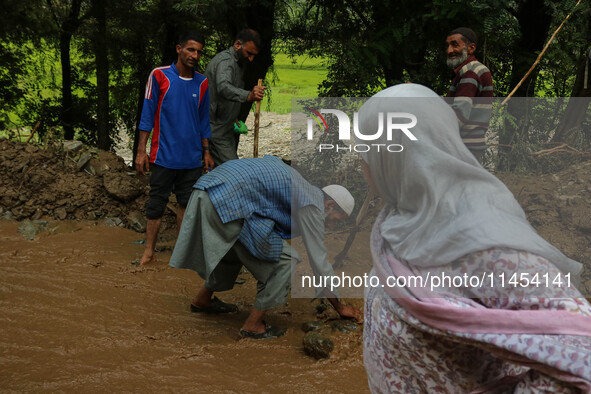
[33, 132]
[560, 148]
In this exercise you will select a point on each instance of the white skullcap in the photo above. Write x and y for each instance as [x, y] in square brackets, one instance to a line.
[341, 196]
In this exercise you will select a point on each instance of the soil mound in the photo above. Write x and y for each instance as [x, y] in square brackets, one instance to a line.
[559, 207]
[70, 181]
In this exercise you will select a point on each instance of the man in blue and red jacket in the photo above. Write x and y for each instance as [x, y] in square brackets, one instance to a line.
[176, 108]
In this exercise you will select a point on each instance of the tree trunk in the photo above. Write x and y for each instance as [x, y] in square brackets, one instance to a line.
[534, 18]
[576, 110]
[68, 27]
[171, 32]
[67, 121]
[392, 60]
[102, 76]
[260, 16]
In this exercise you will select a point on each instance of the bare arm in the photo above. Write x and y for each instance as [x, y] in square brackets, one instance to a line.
[142, 163]
[207, 159]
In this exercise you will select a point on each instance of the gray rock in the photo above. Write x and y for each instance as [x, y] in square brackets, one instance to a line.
[88, 167]
[100, 167]
[322, 307]
[29, 229]
[83, 160]
[317, 346]
[343, 326]
[37, 215]
[113, 222]
[137, 221]
[61, 213]
[72, 146]
[122, 186]
[312, 325]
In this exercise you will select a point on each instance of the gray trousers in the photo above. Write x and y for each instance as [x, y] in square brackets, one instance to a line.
[211, 248]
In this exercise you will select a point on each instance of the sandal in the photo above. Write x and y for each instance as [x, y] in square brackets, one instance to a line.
[270, 332]
[216, 306]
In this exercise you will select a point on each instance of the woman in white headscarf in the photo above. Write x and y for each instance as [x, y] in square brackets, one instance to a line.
[498, 326]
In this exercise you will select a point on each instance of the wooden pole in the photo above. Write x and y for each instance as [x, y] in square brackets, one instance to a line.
[340, 258]
[257, 115]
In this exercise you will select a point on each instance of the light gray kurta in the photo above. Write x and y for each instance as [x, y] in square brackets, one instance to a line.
[211, 248]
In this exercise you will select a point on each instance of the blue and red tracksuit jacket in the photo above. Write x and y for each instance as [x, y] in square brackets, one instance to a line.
[177, 109]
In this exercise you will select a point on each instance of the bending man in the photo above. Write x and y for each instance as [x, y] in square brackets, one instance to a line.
[241, 214]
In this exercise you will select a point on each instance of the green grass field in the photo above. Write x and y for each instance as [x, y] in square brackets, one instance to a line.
[297, 77]
[291, 77]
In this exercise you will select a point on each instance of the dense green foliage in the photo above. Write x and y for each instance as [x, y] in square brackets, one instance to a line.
[80, 66]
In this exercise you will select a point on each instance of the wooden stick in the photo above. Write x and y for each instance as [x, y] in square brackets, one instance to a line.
[539, 56]
[33, 132]
[257, 115]
[340, 258]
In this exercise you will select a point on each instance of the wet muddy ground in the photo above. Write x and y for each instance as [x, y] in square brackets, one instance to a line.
[76, 316]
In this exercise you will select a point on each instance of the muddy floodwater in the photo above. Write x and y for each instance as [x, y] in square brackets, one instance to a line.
[76, 316]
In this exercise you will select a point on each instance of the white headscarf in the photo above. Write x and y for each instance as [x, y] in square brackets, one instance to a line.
[442, 204]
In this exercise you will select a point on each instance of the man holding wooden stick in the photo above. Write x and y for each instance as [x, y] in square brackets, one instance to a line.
[225, 73]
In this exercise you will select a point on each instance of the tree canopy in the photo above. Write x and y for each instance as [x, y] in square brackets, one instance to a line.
[80, 66]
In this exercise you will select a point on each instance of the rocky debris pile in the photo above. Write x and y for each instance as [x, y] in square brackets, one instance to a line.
[559, 207]
[70, 181]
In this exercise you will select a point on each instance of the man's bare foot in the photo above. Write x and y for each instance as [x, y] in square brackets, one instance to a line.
[147, 258]
[254, 323]
[258, 327]
[255, 327]
[203, 298]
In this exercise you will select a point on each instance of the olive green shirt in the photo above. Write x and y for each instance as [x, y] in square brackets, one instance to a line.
[226, 95]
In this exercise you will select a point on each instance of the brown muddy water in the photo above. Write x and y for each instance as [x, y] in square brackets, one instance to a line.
[76, 316]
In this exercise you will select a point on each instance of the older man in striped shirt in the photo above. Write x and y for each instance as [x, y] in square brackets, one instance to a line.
[471, 90]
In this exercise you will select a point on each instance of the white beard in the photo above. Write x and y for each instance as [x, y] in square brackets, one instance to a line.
[453, 63]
